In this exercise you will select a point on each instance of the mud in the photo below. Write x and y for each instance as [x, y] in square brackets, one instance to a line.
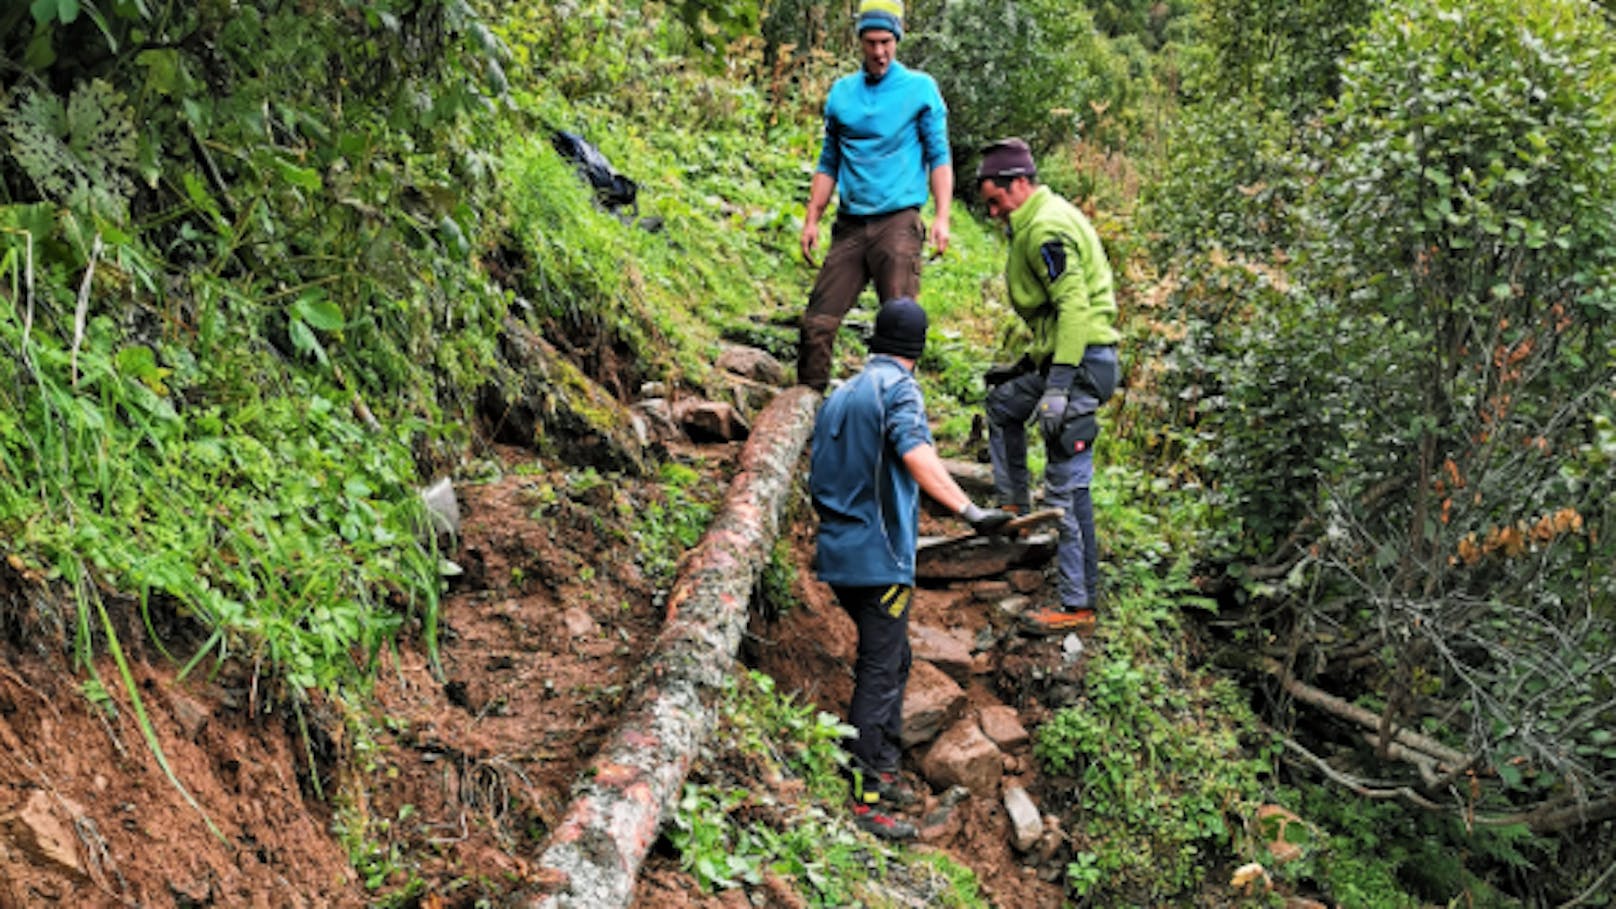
[453, 789]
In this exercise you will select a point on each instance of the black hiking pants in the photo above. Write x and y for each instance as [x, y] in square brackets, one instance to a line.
[880, 672]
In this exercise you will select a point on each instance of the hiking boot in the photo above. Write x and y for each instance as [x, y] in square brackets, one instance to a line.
[886, 786]
[892, 790]
[1055, 621]
[883, 825]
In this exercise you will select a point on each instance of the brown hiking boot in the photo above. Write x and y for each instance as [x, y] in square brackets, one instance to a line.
[883, 825]
[1056, 621]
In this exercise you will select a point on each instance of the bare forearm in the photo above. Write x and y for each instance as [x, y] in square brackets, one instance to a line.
[934, 479]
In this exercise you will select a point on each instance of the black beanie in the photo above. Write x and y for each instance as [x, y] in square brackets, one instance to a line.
[900, 329]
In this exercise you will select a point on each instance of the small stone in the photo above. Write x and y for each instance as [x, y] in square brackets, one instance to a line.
[191, 716]
[1024, 580]
[1026, 824]
[580, 624]
[36, 831]
[989, 591]
[1002, 724]
[1012, 606]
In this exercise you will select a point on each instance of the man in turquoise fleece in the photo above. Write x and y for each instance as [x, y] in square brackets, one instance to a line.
[872, 456]
[1059, 282]
[886, 143]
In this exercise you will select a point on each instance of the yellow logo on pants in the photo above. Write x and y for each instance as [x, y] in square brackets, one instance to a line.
[896, 599]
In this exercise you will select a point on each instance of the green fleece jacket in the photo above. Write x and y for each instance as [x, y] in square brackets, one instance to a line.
[1059, 280]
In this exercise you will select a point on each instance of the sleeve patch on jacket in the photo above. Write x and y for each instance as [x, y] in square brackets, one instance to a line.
[1054, 255]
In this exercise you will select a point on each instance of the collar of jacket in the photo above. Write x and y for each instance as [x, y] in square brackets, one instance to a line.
[872, 81]
[1029, 209]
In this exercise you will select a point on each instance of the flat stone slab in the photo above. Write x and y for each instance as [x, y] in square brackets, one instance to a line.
[981, 557]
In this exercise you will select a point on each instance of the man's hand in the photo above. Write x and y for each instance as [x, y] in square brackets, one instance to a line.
[984, 520]
[939, 237]
[809, 241]
[1052, 411]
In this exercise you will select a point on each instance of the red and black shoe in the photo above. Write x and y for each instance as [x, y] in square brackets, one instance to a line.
[879, 823]
[892, 790]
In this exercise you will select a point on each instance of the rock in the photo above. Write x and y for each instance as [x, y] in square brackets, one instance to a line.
[931, 701]
[710, 421]
[580, 624]
[1003, 726]
[949, 651]
[963, 756]
[191, 715]
[1024, 580]
[1026, 824]
[542, 401]
[941, 823]
[988, 591]
[656, 421]
[37, 831]
[969, 558]
[1012, 607]
[1050, 841]
[753, 364]
[442, 506]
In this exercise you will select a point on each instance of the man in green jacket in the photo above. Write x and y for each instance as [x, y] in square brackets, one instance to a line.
[1059, 282]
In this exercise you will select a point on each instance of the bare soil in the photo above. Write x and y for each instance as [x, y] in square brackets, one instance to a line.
[453, 788]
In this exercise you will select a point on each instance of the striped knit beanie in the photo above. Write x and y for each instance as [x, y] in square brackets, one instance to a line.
[887, 14]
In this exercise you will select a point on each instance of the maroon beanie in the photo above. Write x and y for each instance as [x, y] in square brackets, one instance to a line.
[900, 329]
[1006, 158]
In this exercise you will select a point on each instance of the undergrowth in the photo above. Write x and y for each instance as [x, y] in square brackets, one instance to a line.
[729, 832]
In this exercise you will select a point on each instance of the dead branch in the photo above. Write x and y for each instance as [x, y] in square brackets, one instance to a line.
[1447, 759]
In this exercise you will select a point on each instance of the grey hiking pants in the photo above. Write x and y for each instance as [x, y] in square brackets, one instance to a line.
[1066, 479]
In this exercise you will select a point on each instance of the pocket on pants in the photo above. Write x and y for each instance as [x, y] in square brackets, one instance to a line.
[1078, 433]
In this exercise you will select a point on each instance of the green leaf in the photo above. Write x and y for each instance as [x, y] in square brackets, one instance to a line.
[304, 341]
[301, 177]
[319, 312]
[1510, 774]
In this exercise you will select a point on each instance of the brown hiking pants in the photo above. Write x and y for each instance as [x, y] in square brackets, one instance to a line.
[885, 249]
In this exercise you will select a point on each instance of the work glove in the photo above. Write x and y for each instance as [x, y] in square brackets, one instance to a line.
[1052, 406]
[1052, 411]
[984, 520]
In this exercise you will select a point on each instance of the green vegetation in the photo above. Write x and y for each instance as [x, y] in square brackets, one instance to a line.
[258, 262]
[727, 834]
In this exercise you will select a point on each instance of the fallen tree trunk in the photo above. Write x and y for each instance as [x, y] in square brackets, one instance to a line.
[593, 855]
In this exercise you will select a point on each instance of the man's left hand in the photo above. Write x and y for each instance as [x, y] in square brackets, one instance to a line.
[939, 238]
[1052, 411]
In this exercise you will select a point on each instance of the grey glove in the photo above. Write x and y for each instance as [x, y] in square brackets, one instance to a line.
[984, 520]
[1052, 406]
[1051, 411]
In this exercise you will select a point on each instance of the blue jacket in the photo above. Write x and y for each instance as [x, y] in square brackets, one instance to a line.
[868, 503]
[883, 139]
